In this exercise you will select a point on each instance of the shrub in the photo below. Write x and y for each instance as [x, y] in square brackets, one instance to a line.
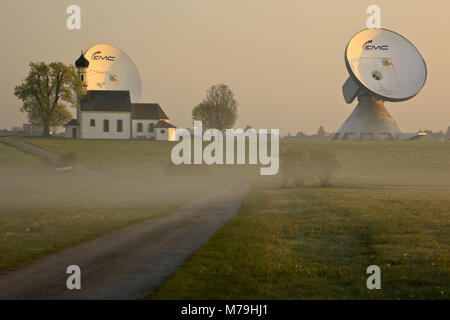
[292, 164]
[298, 166]
[324, 165]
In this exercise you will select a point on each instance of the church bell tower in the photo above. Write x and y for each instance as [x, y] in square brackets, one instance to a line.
[82, 65]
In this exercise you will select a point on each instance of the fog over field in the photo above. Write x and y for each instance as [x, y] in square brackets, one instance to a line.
[388, 202]
[117, 174]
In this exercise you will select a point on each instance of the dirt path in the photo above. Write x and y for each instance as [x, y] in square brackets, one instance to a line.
[129, 263]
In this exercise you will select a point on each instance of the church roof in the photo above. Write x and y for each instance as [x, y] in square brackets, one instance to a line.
[82, 62]
[106, 100]
[147, 111]
[164, 124]
[73, 122]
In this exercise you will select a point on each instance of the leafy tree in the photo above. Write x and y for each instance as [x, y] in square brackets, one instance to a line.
[218, 110]
[44, 92]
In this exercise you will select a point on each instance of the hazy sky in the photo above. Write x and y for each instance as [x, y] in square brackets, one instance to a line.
[284, 60]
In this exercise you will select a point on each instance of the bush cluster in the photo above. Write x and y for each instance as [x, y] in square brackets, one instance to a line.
[300, 165]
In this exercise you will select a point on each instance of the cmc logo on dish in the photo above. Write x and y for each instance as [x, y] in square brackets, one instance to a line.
[369, 46]
[97, 56]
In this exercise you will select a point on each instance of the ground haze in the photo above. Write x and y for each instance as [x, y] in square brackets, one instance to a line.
[388, 205]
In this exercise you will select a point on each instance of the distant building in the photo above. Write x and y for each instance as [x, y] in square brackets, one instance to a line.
[109, 114]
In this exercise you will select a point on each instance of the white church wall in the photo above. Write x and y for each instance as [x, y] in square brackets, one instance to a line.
[97, 131]
[145, 134]
[165, 134]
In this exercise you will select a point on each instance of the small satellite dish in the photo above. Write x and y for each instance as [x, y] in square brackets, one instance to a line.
[383, 66]
[112, 69]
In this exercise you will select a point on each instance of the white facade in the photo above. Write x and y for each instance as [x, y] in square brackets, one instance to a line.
[109, 114]
[165, 134]
[72, 131]
[105, 125]
[143, 129]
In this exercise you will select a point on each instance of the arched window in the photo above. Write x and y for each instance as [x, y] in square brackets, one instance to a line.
[119, 125]
[92, 122]
[140, 127]
[151, 127]
[105, 125]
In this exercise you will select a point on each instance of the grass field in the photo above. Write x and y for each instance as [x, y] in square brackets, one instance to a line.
[43, 211]
[312, 243]
[27, 234]
[13, 160]
[116, 156]
[363, 162]
[389, 205]
[387, 163]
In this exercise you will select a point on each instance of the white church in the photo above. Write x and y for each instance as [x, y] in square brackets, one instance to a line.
[110, 114]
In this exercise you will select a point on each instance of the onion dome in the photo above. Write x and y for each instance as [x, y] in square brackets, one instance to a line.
[82, 62]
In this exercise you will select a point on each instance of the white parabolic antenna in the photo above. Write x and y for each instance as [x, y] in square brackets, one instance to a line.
[112, 69]
[383, 66]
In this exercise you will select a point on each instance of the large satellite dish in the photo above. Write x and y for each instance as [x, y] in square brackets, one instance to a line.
[383, 66]
[112, 69]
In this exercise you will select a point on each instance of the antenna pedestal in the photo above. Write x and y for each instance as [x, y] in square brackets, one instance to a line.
[369, 121]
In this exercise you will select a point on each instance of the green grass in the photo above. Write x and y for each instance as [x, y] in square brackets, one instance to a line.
[27, 234]
[387, 162]
[42, 212]
[311, 243]
[389, 206]
[113, 156]
[363, 162]
[14, 160]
